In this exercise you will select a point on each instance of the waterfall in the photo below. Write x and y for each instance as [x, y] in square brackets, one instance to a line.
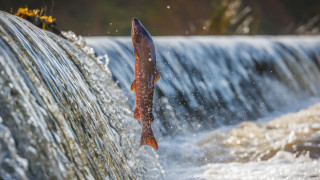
[61, 115]
[211, 81]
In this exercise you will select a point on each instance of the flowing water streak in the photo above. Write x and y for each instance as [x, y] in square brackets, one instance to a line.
[66, 116]
[211, 81]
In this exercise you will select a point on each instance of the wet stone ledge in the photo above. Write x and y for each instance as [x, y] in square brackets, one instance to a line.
[62, 115]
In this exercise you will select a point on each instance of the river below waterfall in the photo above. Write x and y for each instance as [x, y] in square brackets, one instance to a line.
[217, 100]
[269, 148]
[225, 107]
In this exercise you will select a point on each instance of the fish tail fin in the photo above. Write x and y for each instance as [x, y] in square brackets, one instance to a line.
[147, 137]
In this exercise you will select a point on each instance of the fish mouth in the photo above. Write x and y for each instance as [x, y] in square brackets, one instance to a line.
[135, 22]
[136, 26]
[133, 27]
[132, 24]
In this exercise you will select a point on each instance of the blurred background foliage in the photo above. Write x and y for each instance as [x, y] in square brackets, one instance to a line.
[180, 17]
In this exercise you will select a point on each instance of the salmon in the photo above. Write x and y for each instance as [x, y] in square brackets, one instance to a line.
[145, 77]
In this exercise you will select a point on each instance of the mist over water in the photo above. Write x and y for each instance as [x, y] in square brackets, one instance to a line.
[210, 84]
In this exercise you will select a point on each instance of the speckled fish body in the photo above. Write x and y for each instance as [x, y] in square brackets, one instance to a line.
[145, 77]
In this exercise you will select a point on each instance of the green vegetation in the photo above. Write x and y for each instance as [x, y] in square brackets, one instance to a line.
[181, 17]
[231, 17]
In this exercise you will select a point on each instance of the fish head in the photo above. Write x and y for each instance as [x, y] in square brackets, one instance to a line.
[141, 38]
[139, 34]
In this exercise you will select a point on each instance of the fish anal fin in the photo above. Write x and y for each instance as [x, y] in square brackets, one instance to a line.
[136, 113]
[133, 86]
[157, 76]
[147, 137]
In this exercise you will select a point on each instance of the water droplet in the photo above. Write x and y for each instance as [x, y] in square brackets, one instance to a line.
[168, 7]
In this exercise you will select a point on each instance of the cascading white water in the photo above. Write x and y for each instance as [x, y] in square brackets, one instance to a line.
[210, 82]
[61, 115]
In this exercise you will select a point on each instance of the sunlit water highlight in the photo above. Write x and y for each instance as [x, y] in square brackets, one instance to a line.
[62, 117]
[244, 151]
[210, 82]
[287, 147]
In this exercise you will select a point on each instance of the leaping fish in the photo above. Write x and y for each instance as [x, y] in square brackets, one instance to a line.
[145, 77]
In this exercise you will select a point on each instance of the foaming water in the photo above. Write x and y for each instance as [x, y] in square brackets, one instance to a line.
[210, 82]
[62, 116]
[246, 151]
[297, 133]
[286, 167]
[287, 147]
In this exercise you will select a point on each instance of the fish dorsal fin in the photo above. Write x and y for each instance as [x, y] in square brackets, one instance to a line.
[133, 86]
[157, 77]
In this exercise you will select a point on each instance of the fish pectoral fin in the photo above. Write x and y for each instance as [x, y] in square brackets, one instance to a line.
[136, 113]
[133, 86]
[157, 76]
[136, 55]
